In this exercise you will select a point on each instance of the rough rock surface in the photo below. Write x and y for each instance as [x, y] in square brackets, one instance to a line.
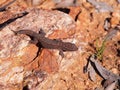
[17, 49]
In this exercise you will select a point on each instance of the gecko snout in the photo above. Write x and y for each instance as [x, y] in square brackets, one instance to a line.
[69, 47]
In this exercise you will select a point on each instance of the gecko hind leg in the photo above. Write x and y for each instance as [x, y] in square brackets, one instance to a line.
[61, 53]
[33, 41]
[39, 49]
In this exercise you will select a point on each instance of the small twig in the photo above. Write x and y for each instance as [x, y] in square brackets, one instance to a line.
[3, 8]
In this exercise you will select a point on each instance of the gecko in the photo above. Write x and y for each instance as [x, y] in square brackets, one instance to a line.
[39, 38]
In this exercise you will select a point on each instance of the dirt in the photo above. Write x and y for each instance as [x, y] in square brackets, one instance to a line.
[84, 23]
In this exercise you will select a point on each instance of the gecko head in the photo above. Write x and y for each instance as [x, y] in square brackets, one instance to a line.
[67, 46]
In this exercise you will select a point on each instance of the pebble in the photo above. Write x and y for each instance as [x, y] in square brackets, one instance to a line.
[115, 70]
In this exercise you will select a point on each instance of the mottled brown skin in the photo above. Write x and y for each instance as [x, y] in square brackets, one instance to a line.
[48, 43]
